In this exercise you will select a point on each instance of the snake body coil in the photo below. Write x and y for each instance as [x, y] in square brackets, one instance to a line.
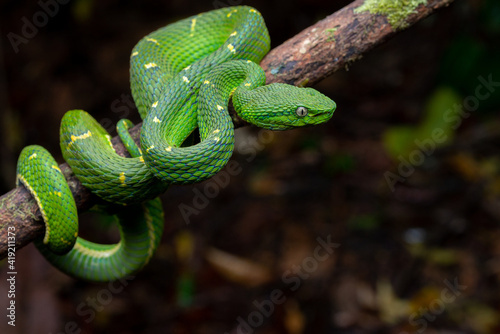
[182, 78]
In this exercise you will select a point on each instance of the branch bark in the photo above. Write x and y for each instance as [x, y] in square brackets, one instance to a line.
[315, 53]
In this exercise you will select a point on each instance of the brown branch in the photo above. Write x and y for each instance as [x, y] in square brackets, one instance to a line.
[305, 59]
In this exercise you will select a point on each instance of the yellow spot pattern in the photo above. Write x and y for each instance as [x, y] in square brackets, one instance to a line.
[33, 156]
[220, 107]
[108, 137]
[233, 33]
[150, 65]
[247, 84]
[122, 178]
[152, 40]
[216, 139]
[154, 104]
[193, 24]
[57, 193]
[97, 253]
[187, 67]
[66, 242]
[152, 237]
[141, 159]
[185, 79]
[40, 206]
[232, 91]
[80, 137]
[56, 168]
[231, 12]
[168, 149]
[156, 120]
[150, 148]
[135, 53]
[216, 131]
[231, 48]
[206, 82]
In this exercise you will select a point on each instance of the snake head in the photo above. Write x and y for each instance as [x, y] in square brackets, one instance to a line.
[280, 106]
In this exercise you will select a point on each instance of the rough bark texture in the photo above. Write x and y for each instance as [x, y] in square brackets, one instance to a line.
[315, 53]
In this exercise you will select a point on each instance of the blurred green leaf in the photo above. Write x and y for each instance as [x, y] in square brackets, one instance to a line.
[398, 140]
[402, 140]
[441, 101]
[186, 285]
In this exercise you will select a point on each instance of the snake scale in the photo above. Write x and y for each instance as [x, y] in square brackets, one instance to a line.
[183, 77]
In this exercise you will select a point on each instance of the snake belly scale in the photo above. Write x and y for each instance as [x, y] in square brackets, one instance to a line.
[182, 78]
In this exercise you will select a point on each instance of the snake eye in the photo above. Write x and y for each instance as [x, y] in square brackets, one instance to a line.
[301, 111]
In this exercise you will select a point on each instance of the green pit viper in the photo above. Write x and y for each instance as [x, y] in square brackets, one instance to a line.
[182, 78]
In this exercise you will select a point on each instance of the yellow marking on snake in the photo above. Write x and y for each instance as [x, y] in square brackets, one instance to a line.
[220, 107]
[108, 137]
[193, 24]
[150, 65]
[231, 48]
[206, 82]
[56, 168]
[216, 139]
[122, 178]
[216, 131]
[152, 40]
[150, 148]
[80, 137]
[187, 68]
[253, 11]
[97, 253]
[233, 33]
[33, 156]
[152, 237]
[66, 242]
[168, 149]
[231, 12]
[156, 120]
[40, 206]
[154, 104]
[248, 84]
[232, 91]
[135, 53]
[185, 79]
[141, 159]
[57, 193]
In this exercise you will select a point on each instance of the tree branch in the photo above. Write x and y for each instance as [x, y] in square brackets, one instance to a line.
[313, 54]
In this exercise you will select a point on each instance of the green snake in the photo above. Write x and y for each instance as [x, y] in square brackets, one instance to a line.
[183, 77]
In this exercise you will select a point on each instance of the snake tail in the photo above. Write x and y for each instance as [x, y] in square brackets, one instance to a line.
[141, 227]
